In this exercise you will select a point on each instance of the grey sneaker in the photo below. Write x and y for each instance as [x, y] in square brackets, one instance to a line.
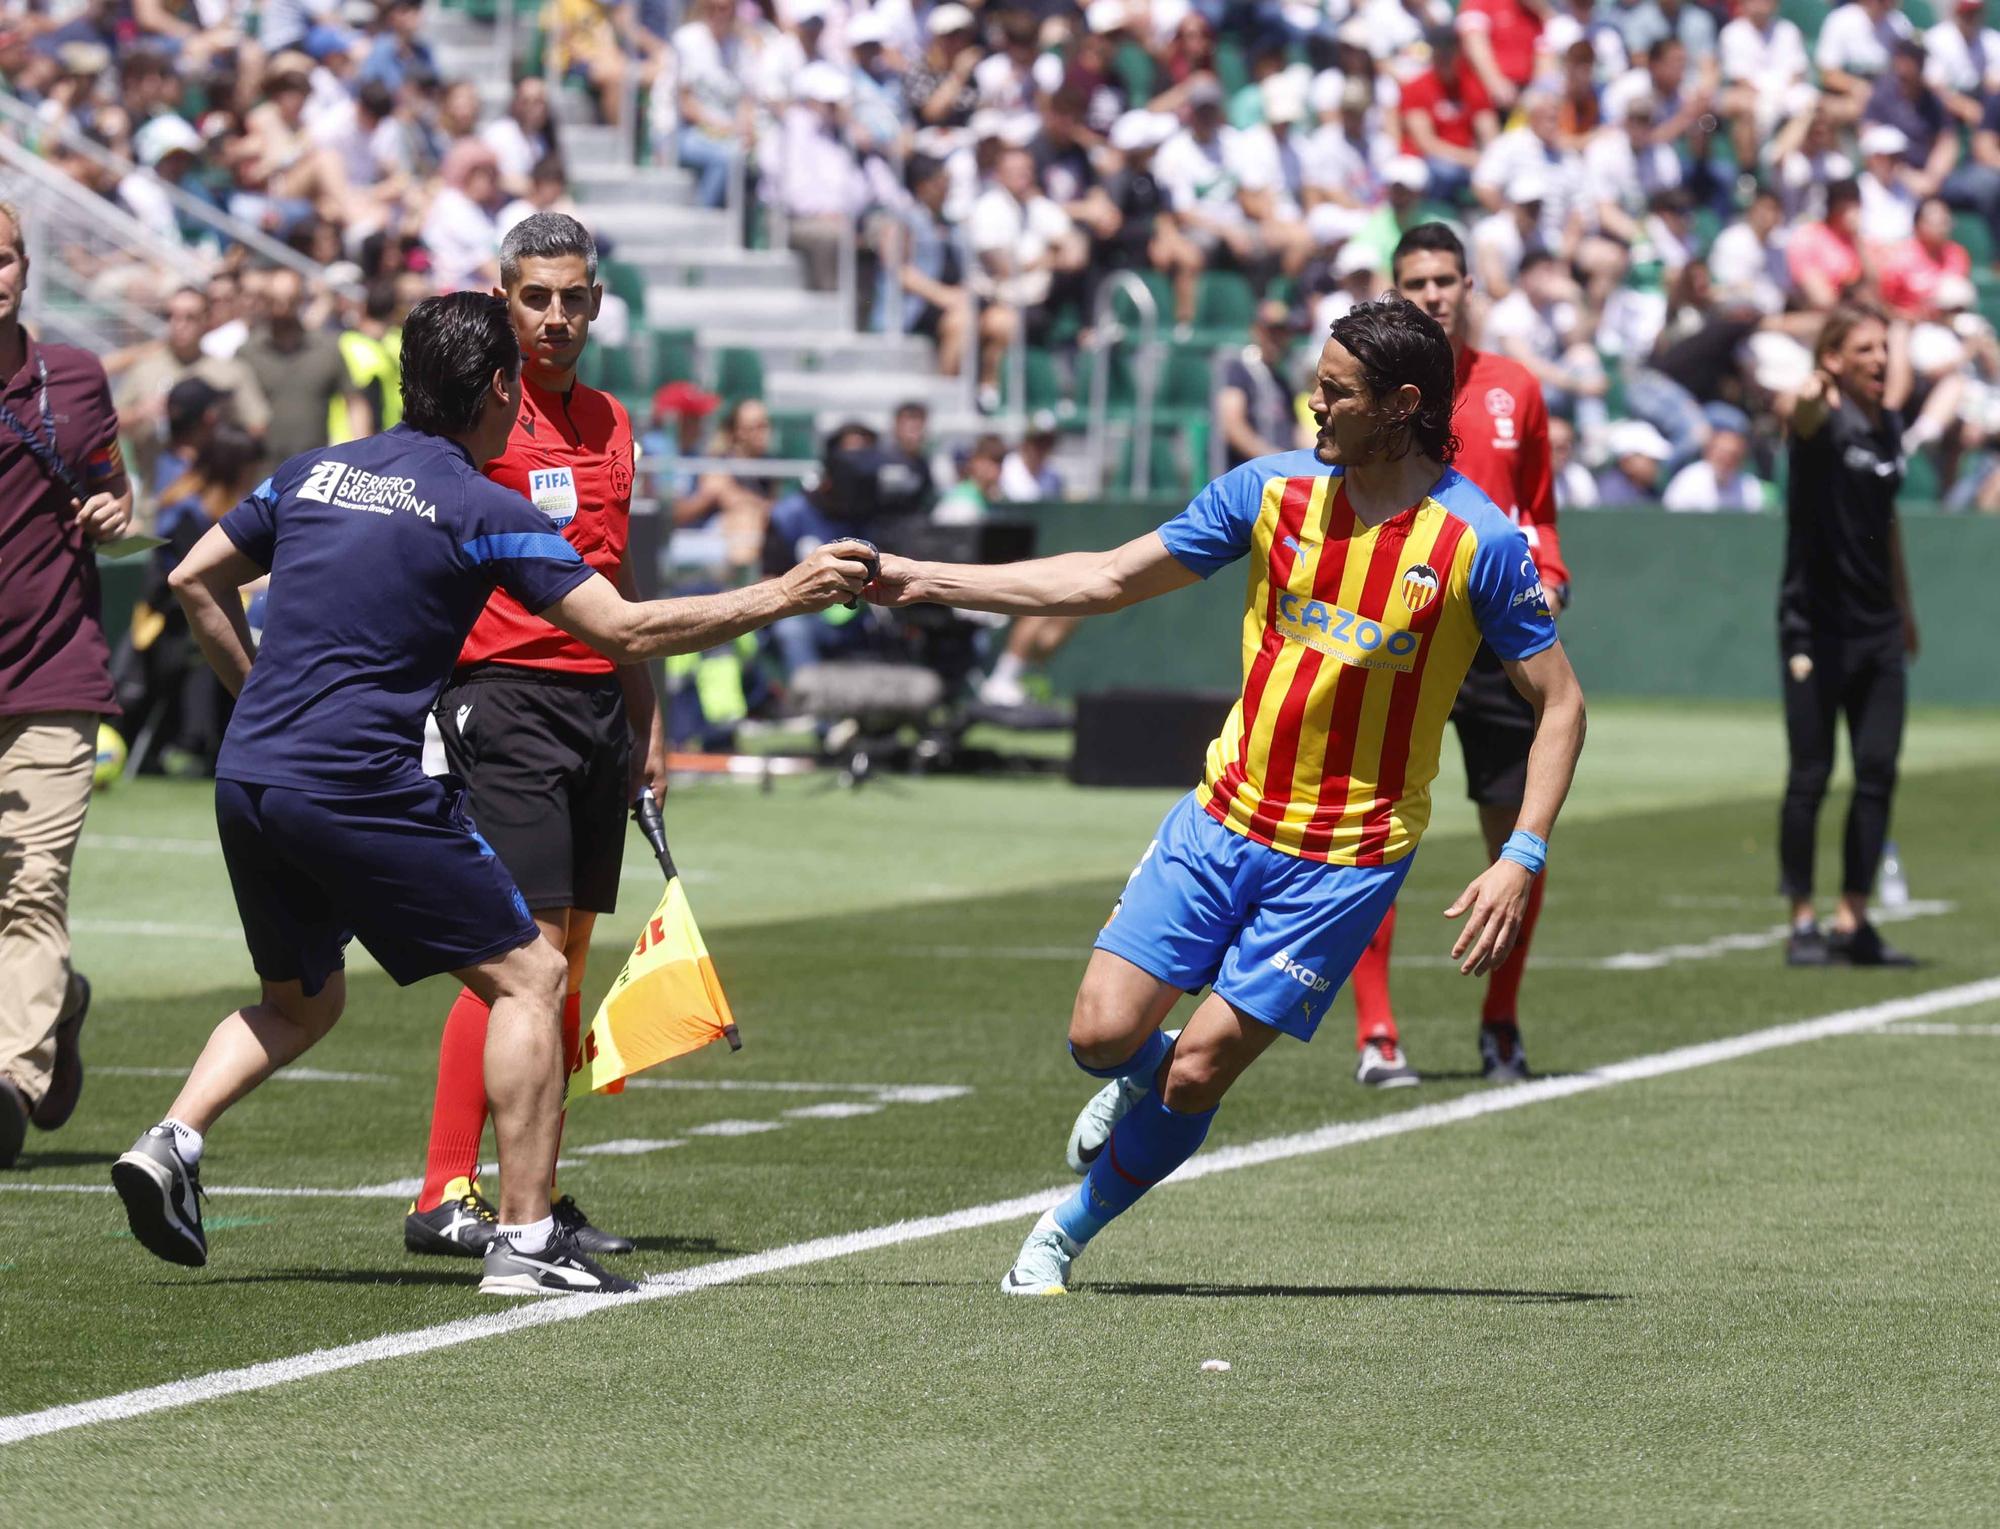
[561, 1268]
[162, 1195]
[1043, 1264]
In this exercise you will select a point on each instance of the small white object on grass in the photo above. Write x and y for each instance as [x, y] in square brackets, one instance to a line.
[1214, 1366]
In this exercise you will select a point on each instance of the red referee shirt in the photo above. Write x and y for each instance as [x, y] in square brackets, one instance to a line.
[571, 457]
[1503, 446]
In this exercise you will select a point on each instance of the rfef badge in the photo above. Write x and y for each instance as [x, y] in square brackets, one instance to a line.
[553, 492]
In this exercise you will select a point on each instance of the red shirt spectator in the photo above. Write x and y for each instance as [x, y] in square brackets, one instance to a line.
[1513, 29]
[1911, 270]
[1450, 108]
[1825, 260]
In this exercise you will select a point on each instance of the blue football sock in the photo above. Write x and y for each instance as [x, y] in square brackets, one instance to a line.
[1142, 1063]
[1147, 1145]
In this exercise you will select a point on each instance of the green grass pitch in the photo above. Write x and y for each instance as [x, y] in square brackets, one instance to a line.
[1758, 1291]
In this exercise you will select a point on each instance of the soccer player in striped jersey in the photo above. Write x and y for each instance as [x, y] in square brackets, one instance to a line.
[1502, 426]
[1375, 571]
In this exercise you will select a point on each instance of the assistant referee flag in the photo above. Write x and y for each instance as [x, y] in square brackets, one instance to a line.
[666, 1000]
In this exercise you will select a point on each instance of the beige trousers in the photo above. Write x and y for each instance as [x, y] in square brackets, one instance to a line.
[45, 768]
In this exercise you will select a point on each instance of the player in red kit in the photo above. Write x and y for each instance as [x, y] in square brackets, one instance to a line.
[1502, 426]
[552, 740]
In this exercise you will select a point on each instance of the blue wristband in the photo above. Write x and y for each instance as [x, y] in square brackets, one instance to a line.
[1529, 851]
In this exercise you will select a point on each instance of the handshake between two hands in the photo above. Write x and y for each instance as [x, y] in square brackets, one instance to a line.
[846, 571]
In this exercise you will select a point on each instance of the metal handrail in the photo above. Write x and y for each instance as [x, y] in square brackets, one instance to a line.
[228, 229]
[1108, 332]
[102, 211]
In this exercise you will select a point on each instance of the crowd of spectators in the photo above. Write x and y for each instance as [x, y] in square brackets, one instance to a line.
[1660, 196]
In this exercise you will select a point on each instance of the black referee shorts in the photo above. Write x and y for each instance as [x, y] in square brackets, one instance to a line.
[546, 761]
[1496, 728]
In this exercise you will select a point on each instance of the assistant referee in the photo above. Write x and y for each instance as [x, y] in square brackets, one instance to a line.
[539, 725]
[1846, 626]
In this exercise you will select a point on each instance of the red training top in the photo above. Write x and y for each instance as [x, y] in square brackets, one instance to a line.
[52, 651]
[1451, 108]
[1514, 29]
[571, 456]
[1503, 446]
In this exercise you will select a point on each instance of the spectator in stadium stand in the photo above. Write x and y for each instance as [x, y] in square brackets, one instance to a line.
[1718, 480]
[1962, 60]
[1853, 50]
[1537, 144]
[1092, 68]
[1889, 187]
[147, 375]
[1355, 280]
[1005, 78]
[1582, 109]
[1639, 454]
[820, 183]
[522, 136]
[1187, 60]
[717, 130]
[1651, 22]
[1030, 254]
[1541, 324]
[1763, 63]
[598, 42]
[1404, 179]
[920, 264]
[228, 315]
[1272, 173]
[1910, 271]
[937, 87]
[1254, 404]
[739, 503]
[399, 49]
[1576, 488]
[1148, 234]
[1500, 37]
[62, 491]
[1903, 99]
[1827, 258]
[1197, 167]
[283, 178]
[1747, 260]
[1447, 116]
[877, 104]
[1806, 157]
[1067, 170]
[301, 371]
[1626, 165]
[371, 349]
[462, 228]
[369, 140]
[548, 191]
[169, 147]
[679, 412]
[1501, 240]
[978, 485]
[1027, 475]
[1348, 154]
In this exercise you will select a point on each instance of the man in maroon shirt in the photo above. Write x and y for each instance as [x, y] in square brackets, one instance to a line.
[62, 489]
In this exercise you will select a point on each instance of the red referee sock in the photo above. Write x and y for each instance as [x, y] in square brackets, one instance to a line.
[1372, 1016]
[1503, 988]
[458, 1111]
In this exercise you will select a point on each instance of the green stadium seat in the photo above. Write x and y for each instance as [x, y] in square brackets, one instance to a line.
[609, 368]
[1226, 302]
[673, 358]
[1185, 381]
[1232, 66]
[739, 373]
[626, 282]
[1136, 71]
[1921, 485]
[793, 434]
[1970, 230]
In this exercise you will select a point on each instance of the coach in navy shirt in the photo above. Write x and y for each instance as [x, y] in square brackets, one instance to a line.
[382, 553]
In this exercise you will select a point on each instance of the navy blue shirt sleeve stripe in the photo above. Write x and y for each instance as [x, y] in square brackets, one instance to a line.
[513, 544]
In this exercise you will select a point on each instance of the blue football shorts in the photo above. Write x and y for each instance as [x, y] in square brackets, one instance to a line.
[1273, 934]
[401, 869]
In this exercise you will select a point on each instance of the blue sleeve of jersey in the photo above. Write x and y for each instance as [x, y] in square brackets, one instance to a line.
[513, 542]
[253, 524]
[1507, 599]
[1215, 530]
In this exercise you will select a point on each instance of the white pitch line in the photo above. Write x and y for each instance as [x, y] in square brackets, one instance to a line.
[628, 1146]
[134, 844]
[327, 1361]
[396, 1189]
[156, 929]
[887, 1093]
[282, 1075]
[1985, 1030]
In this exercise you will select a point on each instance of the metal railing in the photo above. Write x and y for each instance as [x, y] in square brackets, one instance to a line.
[1109, 332]
[226, 229]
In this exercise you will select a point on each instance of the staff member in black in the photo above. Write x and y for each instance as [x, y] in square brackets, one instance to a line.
[1846, 627]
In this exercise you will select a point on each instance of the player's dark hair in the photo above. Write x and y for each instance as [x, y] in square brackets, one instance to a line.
[452, 346]
[1396, 344]
[546, 236]
[1428, 236]
[1841, 323]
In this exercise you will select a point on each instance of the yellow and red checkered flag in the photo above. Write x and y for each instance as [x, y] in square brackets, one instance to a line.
[666, 1001]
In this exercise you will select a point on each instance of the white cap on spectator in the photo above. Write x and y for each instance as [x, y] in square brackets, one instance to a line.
[163, 136]
[1355, 257]
[1284, 95]
[1106, 16]
[823, 82]
[987, 122]
[1356, 33]
[1408, 171]
[867, 27]
[950, 17]
[1883, 139]
[1020, 129]
[1636, 438]
[1526, 185]
[1048, 73]
[1954, 292]
[1324, 94]
[1137, 130]
[809, 10]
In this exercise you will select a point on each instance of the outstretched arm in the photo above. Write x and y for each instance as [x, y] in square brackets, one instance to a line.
[206, 582]
[1498, 897]
[1072, 584]
[632, 632]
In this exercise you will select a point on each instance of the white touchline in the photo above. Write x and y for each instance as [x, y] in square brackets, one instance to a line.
[727, 1271]
[155, 929]
[1983, 1030]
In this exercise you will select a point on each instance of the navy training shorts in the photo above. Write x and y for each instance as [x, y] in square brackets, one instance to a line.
[401, 869]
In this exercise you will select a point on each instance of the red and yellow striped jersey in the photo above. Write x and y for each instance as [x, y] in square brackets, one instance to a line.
[1355, 642]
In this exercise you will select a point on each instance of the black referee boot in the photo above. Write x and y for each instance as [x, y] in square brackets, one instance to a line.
[1865, 947]
[572, 1223]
